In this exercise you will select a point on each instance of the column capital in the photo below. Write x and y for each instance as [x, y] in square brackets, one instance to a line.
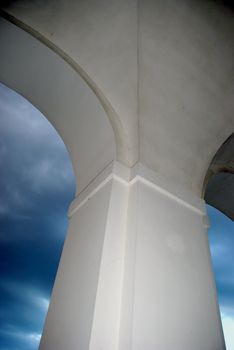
[139, 172]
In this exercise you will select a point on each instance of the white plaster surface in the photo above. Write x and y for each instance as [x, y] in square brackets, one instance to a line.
[106, 320]
[101, 37]
[162, 72]
[162, 69]
[58, 91]
[169, 292]
[186, 86]
[70, 316]
[135, 272]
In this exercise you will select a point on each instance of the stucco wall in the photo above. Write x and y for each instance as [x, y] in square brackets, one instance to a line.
[164, 70]
[55, 88]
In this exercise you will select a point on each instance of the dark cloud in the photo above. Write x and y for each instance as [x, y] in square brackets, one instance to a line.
[36, 186]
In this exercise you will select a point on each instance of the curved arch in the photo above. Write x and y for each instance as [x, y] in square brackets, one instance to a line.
[37, 184]
[63, 96]
[218, 186]
[120, 137]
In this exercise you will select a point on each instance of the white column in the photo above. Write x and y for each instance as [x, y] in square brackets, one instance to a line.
[169, 297]
[135, 272]
[85, 307]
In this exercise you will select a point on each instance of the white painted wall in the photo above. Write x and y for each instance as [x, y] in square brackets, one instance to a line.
[135, 272]
[57, 90]
[170, 292]
[70, 316]
[137, 278]
[163, 71]
[85, 308]
[100, 37]
[106, 320]
[186, 86]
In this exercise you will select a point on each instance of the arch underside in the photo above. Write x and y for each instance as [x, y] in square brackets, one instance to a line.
[48, 82]
[219, 182]
[162, 71]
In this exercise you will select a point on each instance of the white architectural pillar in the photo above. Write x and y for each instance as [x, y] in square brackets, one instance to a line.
[169, 297]
[135, 272]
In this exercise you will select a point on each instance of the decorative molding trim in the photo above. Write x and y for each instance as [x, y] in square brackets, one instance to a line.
[114, 170]
[128, 176]
[175, 191]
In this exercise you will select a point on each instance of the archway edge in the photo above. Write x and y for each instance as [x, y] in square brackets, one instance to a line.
[100, 105]
[122, 147]
[218, 186]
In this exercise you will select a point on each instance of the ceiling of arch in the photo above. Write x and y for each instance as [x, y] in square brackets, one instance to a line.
[165, 67]
[50, 84]
[219, 191]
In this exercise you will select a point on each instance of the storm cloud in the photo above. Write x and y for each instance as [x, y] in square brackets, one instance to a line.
[36, 187]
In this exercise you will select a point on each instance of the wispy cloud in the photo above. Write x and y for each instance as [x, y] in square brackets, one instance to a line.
[22, 339]
[228, 328]
[36, 186]
[34, 161]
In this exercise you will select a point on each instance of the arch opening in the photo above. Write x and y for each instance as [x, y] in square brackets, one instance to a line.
[221, 242]
[219, 195]
[44, 79]
[56, 89]
[218, 186]
[37, 184]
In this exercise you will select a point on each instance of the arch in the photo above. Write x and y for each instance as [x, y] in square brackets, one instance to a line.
[41, 76]
[123, 148]
[61, 94]
[218, 186]
[37, 184]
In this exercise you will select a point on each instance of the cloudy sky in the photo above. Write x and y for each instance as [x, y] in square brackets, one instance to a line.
[221, 237]
[36, 187]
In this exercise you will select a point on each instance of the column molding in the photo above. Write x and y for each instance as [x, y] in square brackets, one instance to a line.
[140, 172]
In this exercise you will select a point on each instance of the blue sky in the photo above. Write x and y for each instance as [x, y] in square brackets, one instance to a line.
[221, 237]
[36, 187]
